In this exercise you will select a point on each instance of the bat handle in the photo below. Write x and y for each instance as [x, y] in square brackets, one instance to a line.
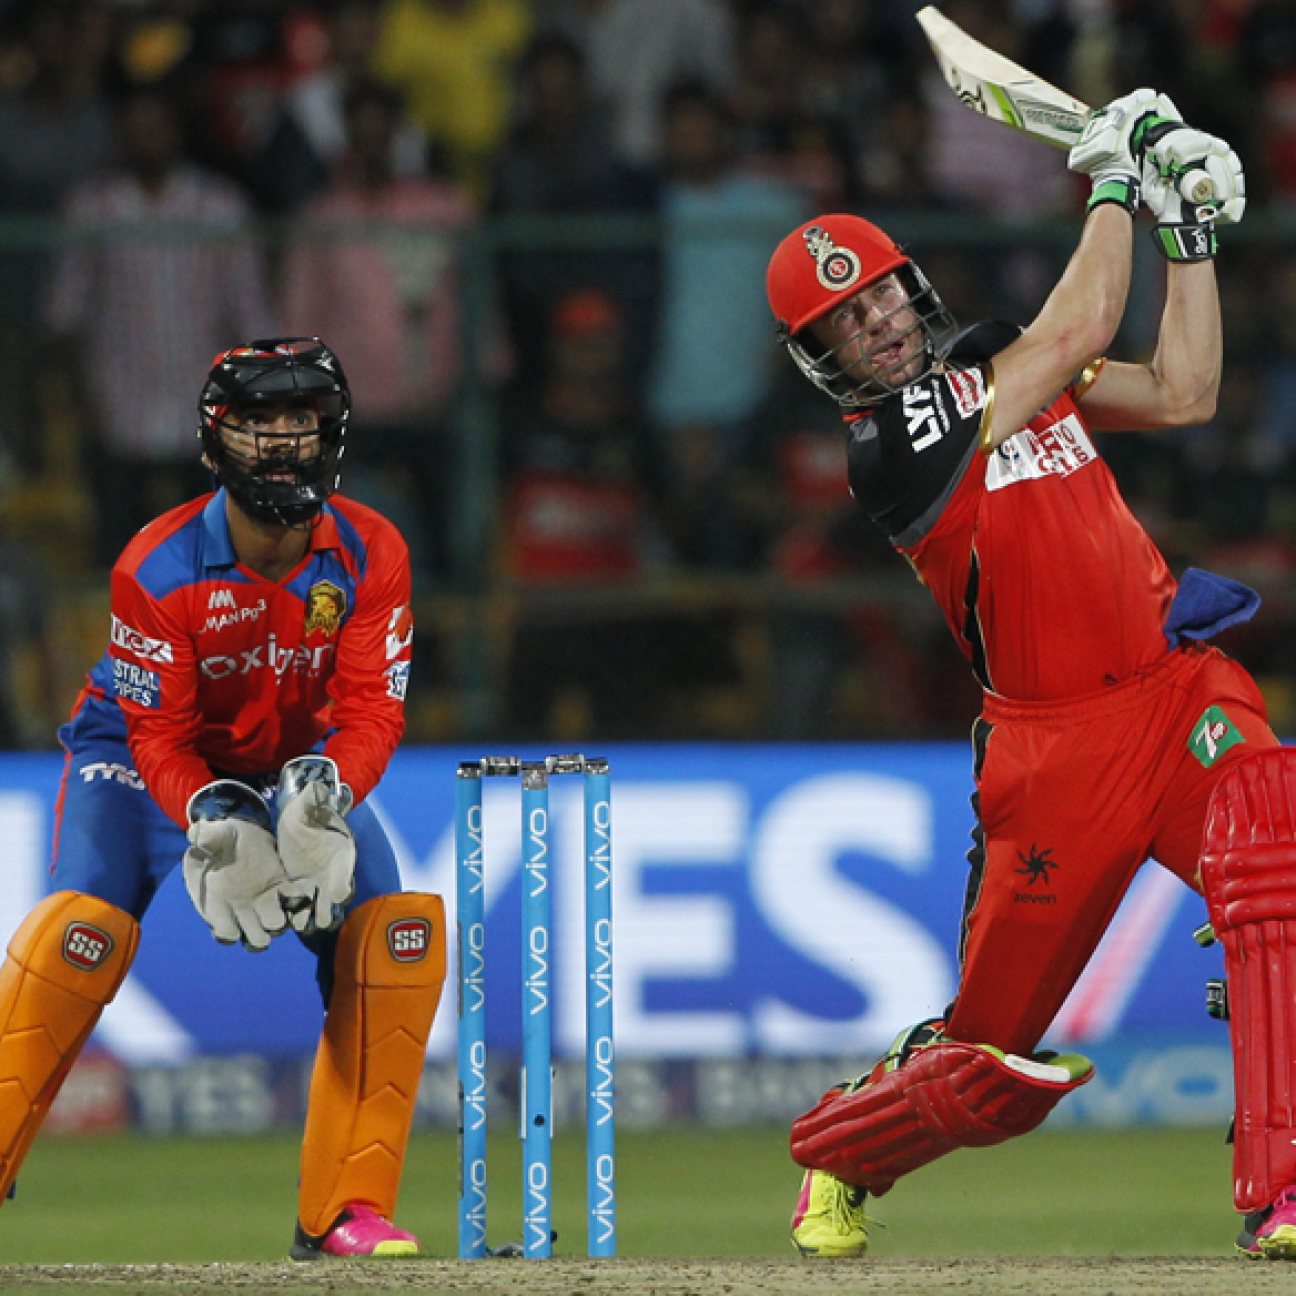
[1197, 187]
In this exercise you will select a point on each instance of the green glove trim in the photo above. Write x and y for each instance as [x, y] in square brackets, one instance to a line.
[1123, 191]
[1185, 242]
[1152, 128]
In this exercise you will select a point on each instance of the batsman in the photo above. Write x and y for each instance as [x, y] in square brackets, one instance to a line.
[1112, 732]
[250, 698]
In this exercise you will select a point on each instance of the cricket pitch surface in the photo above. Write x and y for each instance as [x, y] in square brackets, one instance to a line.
[1086, 1276]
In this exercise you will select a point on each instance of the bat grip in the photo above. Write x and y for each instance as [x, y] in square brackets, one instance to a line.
[1197, 187]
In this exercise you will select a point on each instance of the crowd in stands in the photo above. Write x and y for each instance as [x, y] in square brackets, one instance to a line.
[535, 232]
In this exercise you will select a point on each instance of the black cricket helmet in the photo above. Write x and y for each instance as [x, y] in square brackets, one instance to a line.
[292, 474]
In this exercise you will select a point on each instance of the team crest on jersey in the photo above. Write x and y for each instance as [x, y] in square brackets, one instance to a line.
[967, 386]
[325, 608]
[836, 267]
[86, 947]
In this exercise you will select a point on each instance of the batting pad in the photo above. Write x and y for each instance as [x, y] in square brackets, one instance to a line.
[947, 1095]
[65, 962]
[1248, 874]
[389, 969]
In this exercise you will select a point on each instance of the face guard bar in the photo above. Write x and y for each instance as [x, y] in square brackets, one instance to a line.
[280, 487]
[930, 319]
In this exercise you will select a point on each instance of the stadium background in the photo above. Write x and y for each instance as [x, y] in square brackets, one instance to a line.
[781, 912]
[629, 525]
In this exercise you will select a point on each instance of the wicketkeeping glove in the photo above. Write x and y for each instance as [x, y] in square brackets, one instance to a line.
[1185, 231]
[315, 843]
[1107, 151]
[232, 870]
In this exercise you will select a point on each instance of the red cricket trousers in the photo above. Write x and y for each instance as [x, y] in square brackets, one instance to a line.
[1073, 797]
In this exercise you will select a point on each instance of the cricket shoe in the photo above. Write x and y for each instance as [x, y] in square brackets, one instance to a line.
[829, 1221]
[358, 1231]
[1270, 1234]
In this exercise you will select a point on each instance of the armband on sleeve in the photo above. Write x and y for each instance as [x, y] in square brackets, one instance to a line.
[1088, 376]
[987, 414]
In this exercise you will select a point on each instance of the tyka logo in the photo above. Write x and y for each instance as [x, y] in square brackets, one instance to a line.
[86, 947]
[1035, 865]
[409, 939]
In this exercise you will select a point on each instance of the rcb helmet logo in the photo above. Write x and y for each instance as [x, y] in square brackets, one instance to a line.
[325, 607]
[836, 266]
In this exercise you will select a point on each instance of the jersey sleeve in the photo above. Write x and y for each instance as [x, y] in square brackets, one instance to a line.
[906, 457]
[373, 665]
[154, 677]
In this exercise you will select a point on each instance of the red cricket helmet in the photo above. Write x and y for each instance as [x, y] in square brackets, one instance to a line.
[825, 262]
[822, 263]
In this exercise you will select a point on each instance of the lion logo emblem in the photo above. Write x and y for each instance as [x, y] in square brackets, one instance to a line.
[325, 608]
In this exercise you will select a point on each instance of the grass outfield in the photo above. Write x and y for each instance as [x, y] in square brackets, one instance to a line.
[682, 1192]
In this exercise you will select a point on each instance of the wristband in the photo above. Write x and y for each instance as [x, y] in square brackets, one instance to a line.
[1195, 242]
[1121, 190]
[229, 799]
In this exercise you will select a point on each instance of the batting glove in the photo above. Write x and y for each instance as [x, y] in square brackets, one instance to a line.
[232, 870]
[1107, 151]
[1185, 230]
[315, 842]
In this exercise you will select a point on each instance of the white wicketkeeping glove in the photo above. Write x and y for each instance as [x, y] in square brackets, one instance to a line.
[1107, 150]
[315, 843]
[1185, 229]
[232, 870]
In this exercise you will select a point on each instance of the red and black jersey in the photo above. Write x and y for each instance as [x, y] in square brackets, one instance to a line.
[1050, 585]
[216, 670]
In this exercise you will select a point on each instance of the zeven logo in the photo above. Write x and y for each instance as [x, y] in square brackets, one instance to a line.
[1212, 736]
[409, 939]
[86, 947]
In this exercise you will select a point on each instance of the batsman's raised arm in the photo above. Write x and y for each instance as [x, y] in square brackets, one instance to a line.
[1079, 320]
[1179, 386]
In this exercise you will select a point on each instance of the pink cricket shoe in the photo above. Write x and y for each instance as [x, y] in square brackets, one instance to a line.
[1270, 1234]
[358, 1231]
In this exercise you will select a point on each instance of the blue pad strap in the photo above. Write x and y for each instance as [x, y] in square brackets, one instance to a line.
[1206, 604]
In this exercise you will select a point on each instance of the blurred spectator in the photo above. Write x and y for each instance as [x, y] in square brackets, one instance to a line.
[892, 165]
[638, 51]
[158, 273]
[579, 511]
[558, 161]
[973, 162]
[55, 128]
[240, 59]
[453, 60]
[308, 138]
[374, 268]
[817, 541]
[780, 130]
[715, 358]
[1267, 56]
[849, 72]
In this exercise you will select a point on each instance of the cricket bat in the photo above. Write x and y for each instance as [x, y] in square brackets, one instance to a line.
[1000, 89]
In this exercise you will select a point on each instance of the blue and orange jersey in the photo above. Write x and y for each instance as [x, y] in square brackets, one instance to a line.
[213, 670]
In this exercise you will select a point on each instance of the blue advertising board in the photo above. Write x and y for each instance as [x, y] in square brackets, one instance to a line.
[770, 901]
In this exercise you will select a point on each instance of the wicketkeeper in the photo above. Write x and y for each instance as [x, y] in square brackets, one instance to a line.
[250, 699]
[1112, 732]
